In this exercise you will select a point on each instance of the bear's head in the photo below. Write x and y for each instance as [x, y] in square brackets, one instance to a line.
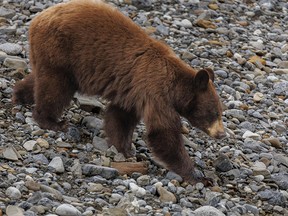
[201, 105]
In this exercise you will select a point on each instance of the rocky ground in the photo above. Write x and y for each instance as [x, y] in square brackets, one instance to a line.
[74, 173]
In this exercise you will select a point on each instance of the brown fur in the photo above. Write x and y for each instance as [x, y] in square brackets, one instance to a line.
[92, 48]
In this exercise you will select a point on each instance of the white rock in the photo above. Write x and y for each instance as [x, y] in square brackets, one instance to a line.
[258, 96]
[67, 210]
[12, 210]
[272, 78]
[186, 23]
[13, 193]
[138, 191]
[257, 32]
[258, 44]
[258, 165]
[249, 134]
[29, 145]
[57, 164]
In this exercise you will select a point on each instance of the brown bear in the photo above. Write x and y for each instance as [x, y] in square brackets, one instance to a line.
[90, 47]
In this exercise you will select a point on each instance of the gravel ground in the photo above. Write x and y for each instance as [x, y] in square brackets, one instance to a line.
[53, 173]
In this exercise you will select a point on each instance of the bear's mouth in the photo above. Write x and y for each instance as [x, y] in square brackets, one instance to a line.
[216, 130]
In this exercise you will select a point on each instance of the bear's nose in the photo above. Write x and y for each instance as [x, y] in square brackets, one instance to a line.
[220, 135]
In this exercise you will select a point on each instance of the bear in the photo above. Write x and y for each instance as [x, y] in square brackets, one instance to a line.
[90, 47]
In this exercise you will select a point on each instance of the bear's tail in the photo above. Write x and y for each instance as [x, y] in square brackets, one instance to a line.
[23, 92]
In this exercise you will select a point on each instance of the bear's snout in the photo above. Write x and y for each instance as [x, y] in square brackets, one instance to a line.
[220, 135]
[217, 130]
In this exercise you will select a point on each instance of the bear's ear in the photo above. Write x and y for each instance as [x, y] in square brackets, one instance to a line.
[210, 73]
[201, 80]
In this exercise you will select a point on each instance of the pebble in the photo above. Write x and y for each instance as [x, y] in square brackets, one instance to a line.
[100, 144]
[138, 191]
[11, 48]
[208, 210]
[15, 63]
[162, 30]
[258, 96]
[165, 195]
[57, 165]
[281, 179]
[67, 210]
[10, 153]
[185, 23]
[249, 134]
[222, 163]
[259, 168]
[13, 193]
[43, 143]
[13, 210]
[106, 172]
[281, 88]
[30, 145]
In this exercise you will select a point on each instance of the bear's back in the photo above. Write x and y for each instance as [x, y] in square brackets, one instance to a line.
[83, 20]
[88, 31]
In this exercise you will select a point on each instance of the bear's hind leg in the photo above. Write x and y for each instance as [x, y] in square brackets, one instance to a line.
[53, 92]
[23, 91]
[119, 127]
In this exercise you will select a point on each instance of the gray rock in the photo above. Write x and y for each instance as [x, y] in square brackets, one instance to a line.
[208, 210]
[11, 48]
[53, 191]
[92, 122]
[13, 193]
[222, 163]
[143, 180]
[89, 103]
[221, 73]
[273, 197]
[40, 158]
[142, 4]
[7, 13]
[67, 210]
[171, 175]
[38, 7]
[162, 29]
[235, 114]
[35, 198]
[106, 172]
[10, 30]
[281, 88]
[281, 179]
[259, 168]
[57, 164]
[100, 143]
[247, 125]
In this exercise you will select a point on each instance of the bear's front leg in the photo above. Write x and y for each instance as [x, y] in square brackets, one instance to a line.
[119, 127]
[165, 140]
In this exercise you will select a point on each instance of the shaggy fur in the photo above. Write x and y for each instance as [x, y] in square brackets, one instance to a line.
[90, 47]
